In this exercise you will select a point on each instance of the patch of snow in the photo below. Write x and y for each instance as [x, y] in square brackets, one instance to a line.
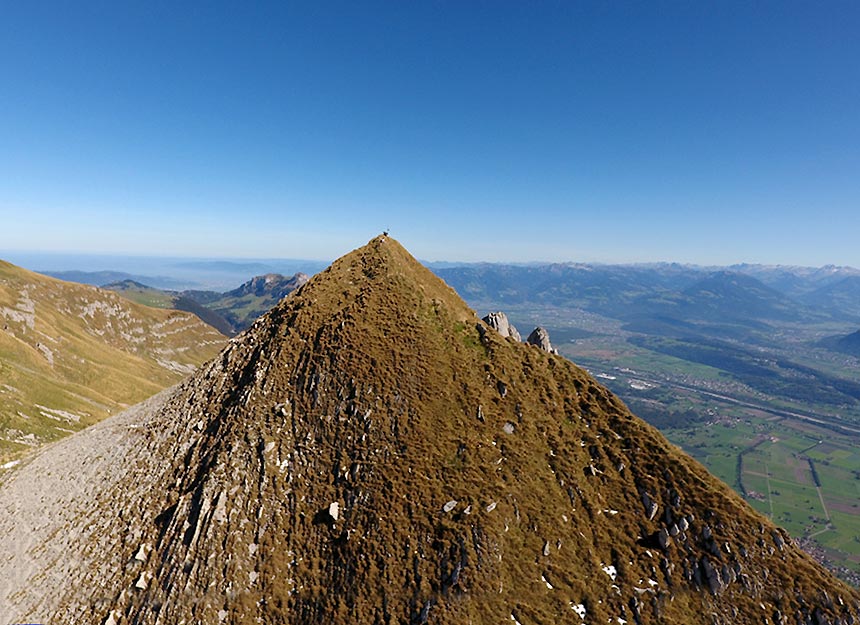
[579, 609]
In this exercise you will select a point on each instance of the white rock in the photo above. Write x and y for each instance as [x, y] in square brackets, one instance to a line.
[449, 506]
[334, 510]
[140, 556]
[499, 322]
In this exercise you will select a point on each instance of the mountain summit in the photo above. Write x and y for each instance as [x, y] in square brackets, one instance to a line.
[371, 452]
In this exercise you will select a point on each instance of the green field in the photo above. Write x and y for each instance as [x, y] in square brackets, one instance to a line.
[777, 480]
[748, 439]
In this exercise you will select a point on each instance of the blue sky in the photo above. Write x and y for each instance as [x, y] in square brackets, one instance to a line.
[611, 131]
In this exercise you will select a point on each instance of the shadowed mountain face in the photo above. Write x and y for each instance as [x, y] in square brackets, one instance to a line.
[371, 452]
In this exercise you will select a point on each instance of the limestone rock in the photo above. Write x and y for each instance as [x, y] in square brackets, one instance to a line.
[499, 322]
[650, 505]
[540, 337]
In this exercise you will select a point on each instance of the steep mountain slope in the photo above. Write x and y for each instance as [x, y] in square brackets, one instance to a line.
[72, 354]
[371, 452]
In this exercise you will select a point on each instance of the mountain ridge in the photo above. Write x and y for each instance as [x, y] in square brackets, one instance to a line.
[371, 451]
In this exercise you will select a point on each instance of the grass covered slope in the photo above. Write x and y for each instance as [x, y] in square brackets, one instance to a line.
[371, 452]
[72, 354]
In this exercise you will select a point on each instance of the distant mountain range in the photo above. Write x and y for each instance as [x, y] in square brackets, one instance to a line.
[99, 278]
[175, 274]
[668, 298]
[669, 294]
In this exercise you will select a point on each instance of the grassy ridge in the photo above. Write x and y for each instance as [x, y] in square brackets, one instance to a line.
[72, 354]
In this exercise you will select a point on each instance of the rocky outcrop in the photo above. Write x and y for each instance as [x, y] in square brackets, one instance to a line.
[499, 322]
[540, 337]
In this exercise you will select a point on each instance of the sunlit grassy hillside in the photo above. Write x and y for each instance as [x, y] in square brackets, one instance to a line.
[72, 354]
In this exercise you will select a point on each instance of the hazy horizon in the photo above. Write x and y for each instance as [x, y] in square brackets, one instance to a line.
[94, 261]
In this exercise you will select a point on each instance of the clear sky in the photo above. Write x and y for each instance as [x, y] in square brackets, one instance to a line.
[709, 132]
